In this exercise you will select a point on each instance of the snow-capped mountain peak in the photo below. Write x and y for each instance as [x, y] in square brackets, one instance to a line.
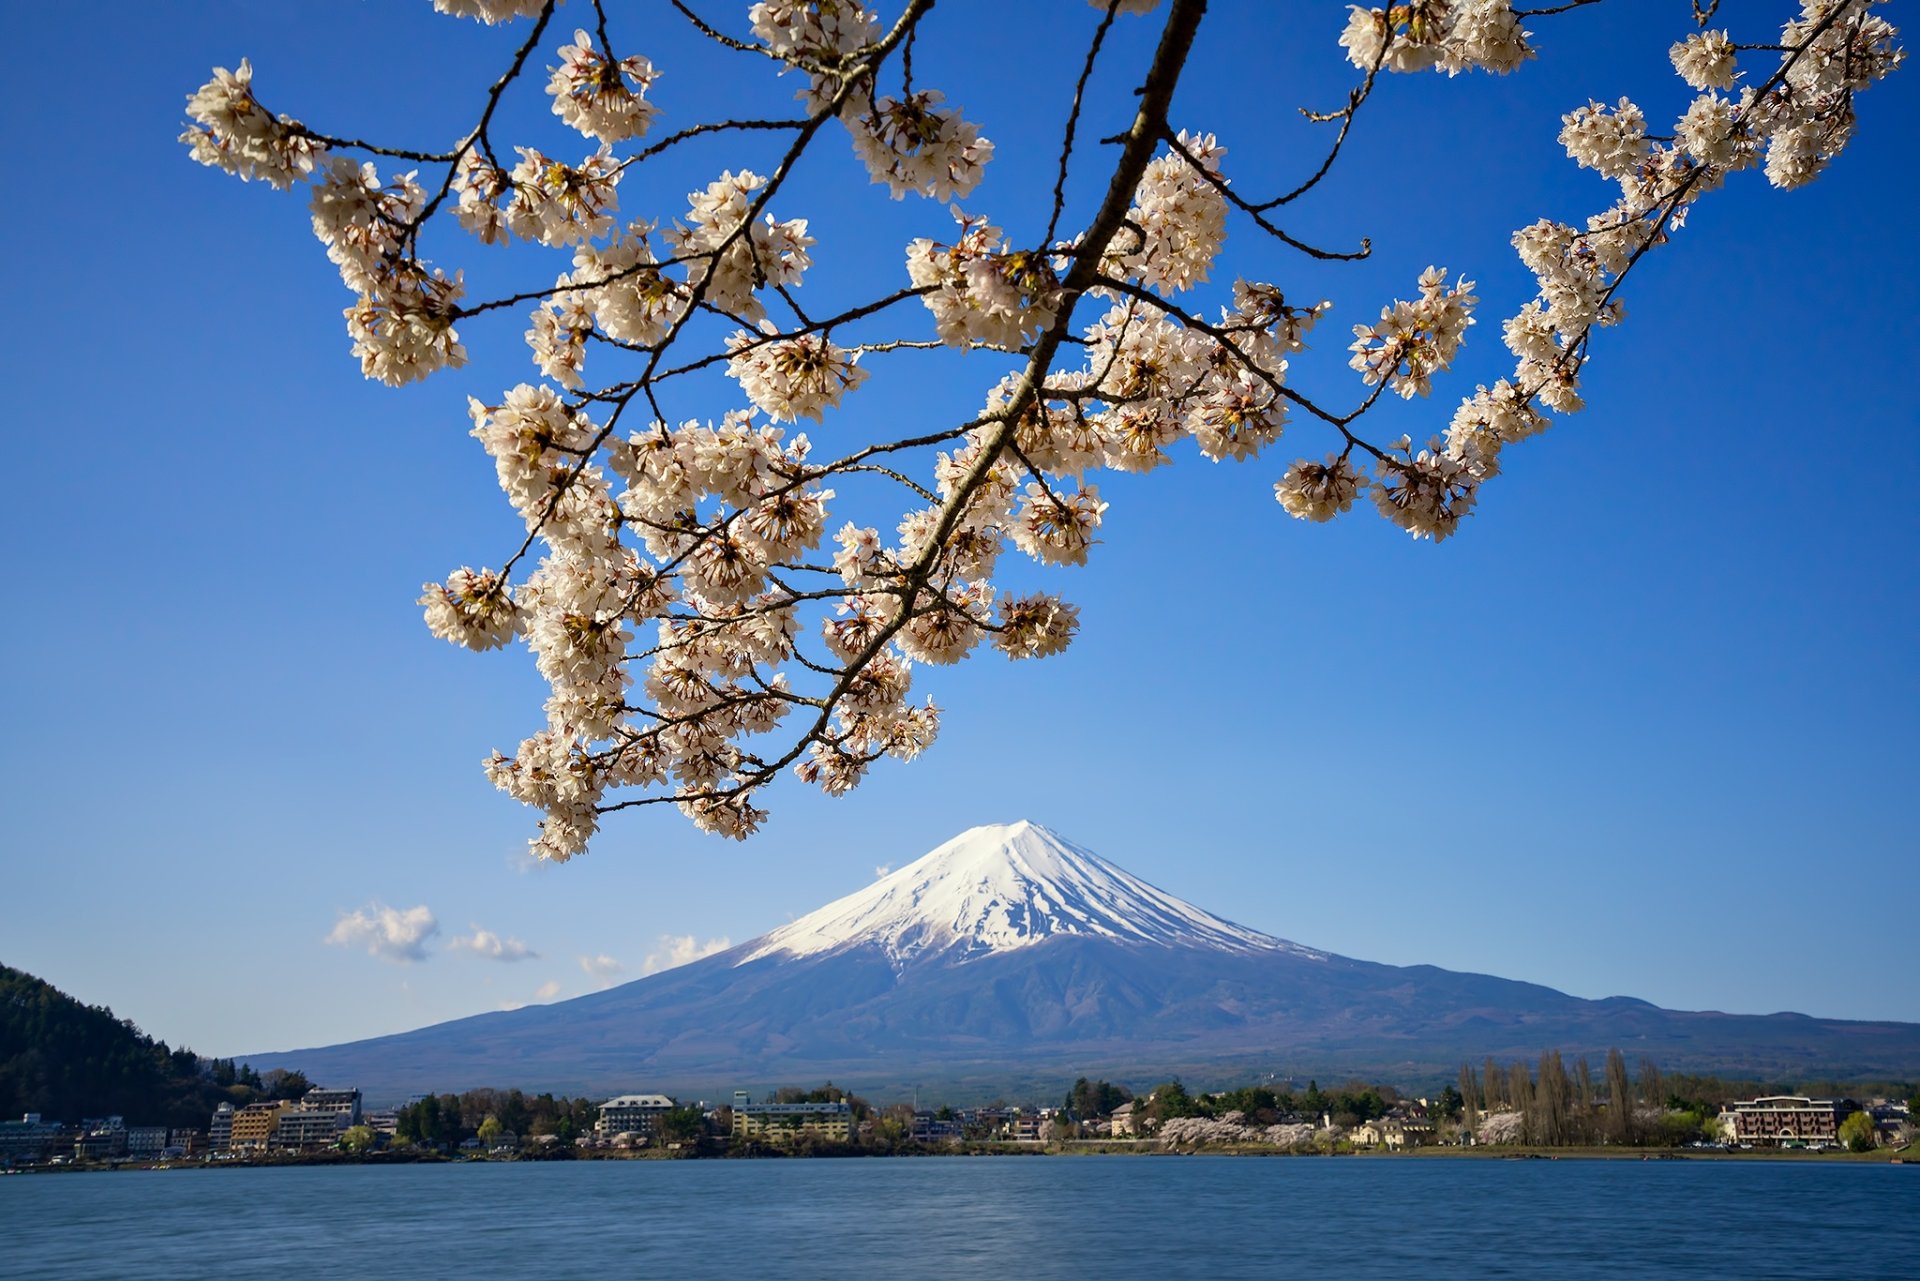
[1002, 887]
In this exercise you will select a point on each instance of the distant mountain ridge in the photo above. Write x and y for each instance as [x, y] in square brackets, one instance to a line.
[1010, 959]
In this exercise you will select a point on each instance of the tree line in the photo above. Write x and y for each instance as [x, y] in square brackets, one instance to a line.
[1561, 1106]
[448, 1120]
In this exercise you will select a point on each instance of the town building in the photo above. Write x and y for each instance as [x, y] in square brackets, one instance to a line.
[340, 1102]
[382, 1121]
[187, 1142]
[635, 1114]
[1892, 1123]
[930, 1127]
[1784, 1120]
[303, 1129]
[220, 1129]
[987, 1123]
[146, 1142]
[101, 1139]
[1392, 1133]
[784, 1122]
[28, 1140]
[1122, 1125]
[254, 1126]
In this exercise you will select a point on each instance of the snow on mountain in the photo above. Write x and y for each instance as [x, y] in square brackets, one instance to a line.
[1003, 887]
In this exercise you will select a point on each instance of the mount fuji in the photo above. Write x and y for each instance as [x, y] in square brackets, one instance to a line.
[1009, 959]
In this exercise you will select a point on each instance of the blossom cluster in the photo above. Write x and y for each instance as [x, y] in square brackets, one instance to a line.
[1179, 218]
[1445, 35]
[914, 143]
[232, 131]
[1232, 1128]
[602, 96]
[793, 378]
[1793, 123]
[1500, 1127]
[729, 256]
[491, 12]
[547, 201]
[401, 322]
[979, 290]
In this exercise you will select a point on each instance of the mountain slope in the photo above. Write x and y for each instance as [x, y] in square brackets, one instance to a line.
[1008, 956]
[67, 1060]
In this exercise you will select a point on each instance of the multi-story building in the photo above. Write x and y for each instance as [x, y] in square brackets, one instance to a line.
[302, 1129]
[784, 1122]
[632, 1114]
[341, 1102]
[220, 1130]
[986, 1123]
[1789, 1119]
[146, 1142]
[929, 1127]
[101, 1139]
[28, 1139]
[254, 1126]
[382, 1121]
[1392, 1133]
[1892, 1122]
[188, 1142]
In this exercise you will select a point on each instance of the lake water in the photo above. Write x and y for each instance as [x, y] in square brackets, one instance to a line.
[1010, 1217]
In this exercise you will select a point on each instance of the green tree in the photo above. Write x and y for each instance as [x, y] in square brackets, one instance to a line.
[1090, 1099]
[1857, 1132]
[357, 1138]
[282, 1084]
[682, 1124]
[1169, 1101]
[490, 1130]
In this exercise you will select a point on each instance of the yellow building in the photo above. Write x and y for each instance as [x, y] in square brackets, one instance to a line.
[254, 1125]
[784, 1122]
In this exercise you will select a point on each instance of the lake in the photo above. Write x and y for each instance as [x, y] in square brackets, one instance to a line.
[1020, 1218]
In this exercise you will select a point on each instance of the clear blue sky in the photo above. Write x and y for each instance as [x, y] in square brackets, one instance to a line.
[1647, 726]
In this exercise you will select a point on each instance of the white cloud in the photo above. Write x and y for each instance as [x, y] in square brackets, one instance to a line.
[881, 870]
[542, 994]
[602, 969]
[677, 949]
[486, 943]
[390, 933]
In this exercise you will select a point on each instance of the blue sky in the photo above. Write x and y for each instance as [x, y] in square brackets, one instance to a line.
[1647, 726]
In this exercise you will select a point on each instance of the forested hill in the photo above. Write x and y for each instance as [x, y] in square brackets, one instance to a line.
[66, 1061]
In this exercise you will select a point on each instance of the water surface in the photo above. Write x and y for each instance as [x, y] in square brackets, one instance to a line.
[1014, 1217]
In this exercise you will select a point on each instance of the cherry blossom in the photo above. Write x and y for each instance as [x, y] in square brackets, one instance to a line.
[714, 600]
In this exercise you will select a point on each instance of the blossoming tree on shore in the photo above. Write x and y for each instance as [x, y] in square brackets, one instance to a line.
[702, 624]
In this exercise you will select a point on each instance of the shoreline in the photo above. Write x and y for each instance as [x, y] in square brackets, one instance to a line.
[1079, 1148]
